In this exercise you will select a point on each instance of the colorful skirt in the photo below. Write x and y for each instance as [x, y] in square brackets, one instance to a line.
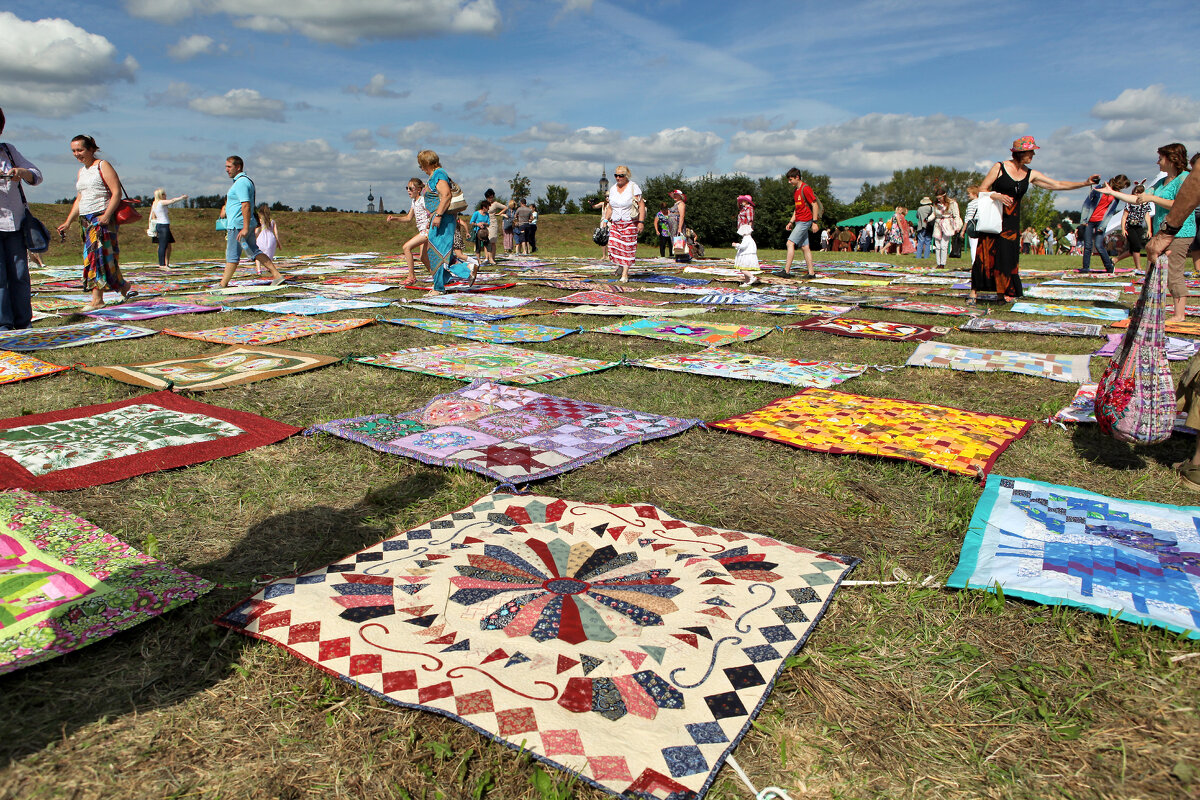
[100, 250]
[622, 242]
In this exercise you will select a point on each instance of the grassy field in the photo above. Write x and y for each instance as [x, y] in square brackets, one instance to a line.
[902, 691]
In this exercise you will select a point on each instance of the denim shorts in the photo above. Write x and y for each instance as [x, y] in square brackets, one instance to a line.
[799, 234]
[233, 247]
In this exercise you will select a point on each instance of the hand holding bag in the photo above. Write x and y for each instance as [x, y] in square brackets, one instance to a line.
[600, 237]
[678, 244]
[37, 238]
[988, 216]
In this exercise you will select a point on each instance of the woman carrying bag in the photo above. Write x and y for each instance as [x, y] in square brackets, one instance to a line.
[16, 312]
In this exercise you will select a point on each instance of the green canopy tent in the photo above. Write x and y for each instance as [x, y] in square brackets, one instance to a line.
[863, 219]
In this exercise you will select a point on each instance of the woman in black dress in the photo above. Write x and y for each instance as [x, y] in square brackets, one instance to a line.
[998, 254]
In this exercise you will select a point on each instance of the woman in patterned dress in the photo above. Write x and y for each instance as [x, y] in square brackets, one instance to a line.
[626, 214]
[998, 255]
[97, 195]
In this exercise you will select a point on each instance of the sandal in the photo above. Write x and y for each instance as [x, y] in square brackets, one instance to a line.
[90, 307]
[1190, 477]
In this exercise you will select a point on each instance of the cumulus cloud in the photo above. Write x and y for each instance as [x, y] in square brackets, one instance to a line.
[239, 103]
[53, 68]
[361, 139]
[377, 87]
[343, 22]
[480, 110]
[479, 151]
[192, 46]
[541, 132]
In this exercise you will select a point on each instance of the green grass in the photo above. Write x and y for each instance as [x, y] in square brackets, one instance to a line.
[902, 691]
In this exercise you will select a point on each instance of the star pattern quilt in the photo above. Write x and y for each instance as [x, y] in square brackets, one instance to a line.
[750, 367]
[497, 362]
[712, 334]
[1056, 367]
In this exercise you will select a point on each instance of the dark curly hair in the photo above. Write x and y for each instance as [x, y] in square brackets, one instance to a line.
[1176, 154]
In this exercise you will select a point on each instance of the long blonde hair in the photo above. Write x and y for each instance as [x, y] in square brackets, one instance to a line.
[263, 212]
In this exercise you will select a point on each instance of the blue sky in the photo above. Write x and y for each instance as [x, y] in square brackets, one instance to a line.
[324, 98]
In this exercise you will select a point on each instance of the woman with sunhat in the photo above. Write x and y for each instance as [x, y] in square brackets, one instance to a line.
[675, 219]
[997, 255]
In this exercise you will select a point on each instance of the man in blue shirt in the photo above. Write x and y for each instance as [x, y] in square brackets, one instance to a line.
[240, 224]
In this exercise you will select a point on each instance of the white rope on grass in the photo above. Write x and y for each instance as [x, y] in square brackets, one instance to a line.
[900, 577]
[769, 793]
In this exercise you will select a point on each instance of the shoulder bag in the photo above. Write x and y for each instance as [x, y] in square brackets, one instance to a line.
[987, 215]
[37, 238]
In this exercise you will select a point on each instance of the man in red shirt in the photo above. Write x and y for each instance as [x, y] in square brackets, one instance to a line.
[808, 210]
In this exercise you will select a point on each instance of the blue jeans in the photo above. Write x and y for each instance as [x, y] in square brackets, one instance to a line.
[234, 248]
[922, 244]
[1093, 236]
[15, 310]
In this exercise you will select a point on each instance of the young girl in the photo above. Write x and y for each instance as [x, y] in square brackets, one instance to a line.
[479, 225]
[418, 212]
[268, 232]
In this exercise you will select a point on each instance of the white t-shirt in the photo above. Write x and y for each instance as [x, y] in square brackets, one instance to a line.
[624, 204]
[158, 213]
[93, 193]
[421, 215]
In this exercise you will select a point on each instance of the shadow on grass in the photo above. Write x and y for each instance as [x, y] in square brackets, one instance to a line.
[163, 662]
[1097, 448]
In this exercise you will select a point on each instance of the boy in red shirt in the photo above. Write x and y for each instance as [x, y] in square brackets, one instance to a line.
[808, 210]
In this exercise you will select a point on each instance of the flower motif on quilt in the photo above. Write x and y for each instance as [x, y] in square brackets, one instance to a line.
[452, 409]
[575, 593]
[442, 440]
[385, 427]
[514, 424]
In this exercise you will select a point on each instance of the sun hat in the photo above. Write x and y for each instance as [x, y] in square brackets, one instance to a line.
[745, 198]
[679, 195]
[925, 200]
[1024, 144]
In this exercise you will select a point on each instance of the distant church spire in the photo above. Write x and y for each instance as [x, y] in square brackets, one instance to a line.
[371, 200]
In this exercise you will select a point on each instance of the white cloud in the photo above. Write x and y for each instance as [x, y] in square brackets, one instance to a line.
[361, 138]
[192, 46]
[54, 68]
[240, 103]
[343, 22]
[541, 132]
[414, 134]
[377, 87]
[480, 110]
[479, 151]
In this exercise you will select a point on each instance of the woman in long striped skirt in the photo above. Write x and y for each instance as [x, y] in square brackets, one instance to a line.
[626, 213]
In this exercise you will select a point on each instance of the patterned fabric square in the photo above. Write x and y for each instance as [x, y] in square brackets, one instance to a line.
[18, 367]
[66, 583]
[594, 298]
[633, 311]
[1073, 293]
[270, 331]
[498, 334]
[232, 367]
[511, 434]
[573, 630]
[1083, 409]
[870, 329]
[1189, 327]
[806, 309]
[316, 305]
[89, 446]
[749, 367]
[1051, 310]
[916, 307]
[148, 309]
[712, 334]
[962, 442]
[1054, 366]
[492, 301]
[1047, 328]
[476, 313]
[1177, 349]
[83, 333]
[1058, 545]
[497, 362]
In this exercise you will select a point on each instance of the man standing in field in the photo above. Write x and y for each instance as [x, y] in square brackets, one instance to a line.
[808, 210]
[240, 224]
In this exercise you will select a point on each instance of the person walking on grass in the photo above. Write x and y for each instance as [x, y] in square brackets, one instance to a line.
[804, 221]
[240, 224]
[418, 244]
[16, 310]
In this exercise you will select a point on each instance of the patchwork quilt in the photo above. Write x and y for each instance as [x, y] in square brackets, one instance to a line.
[870, 329]
[1189, 327]
[270, 331]
[69, 336]
[1073, 293]
[917, 307]
[231, 367]
[18, 367]
[594, 298]
[615, 642]
[148, 309]
[499, 334]
[1177, 349]
[508, 433]
[316, 305]
[1056, 367]
[1047, 328]
[749, 367]
[496, 362]
[1106, 314]
[712, 334]
[1057, 545]
[80, 447]
[806, 309]
[65, 584]
[827, 421]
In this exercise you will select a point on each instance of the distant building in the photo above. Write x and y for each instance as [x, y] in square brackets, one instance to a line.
[371, 200]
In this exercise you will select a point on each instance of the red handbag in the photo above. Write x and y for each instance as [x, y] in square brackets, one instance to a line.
[126, 212]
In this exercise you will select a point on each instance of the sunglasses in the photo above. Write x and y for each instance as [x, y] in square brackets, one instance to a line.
[620, 175]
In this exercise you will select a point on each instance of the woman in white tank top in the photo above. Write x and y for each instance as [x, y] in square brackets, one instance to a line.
[98, 193]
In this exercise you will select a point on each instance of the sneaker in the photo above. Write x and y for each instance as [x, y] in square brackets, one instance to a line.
[1189, 475]
[278, 280]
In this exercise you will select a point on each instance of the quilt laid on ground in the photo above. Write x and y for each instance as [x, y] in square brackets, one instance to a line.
[497, 362]
[270, 331]
[79, 447]
[806, 309]
[1058, 545]
[1177, 349]
[1050, 310]
[19, 366]
[1189, 327]
[477, 313]
[310, 306]
[1046, 328]
[232, 367]
[65, 584]
[594, 298]
[704, 334]
[510, 333]
[717, 298]
[869, 329]
[1083, 410]
[1055, 366]
[148, 309]
[750, 367]
[1074, 293]
[917, 307]
[589, 286]
[485, 301]
[615, 642]
[508, 433]
[826, 421]
[633, 311]
[69, 336]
